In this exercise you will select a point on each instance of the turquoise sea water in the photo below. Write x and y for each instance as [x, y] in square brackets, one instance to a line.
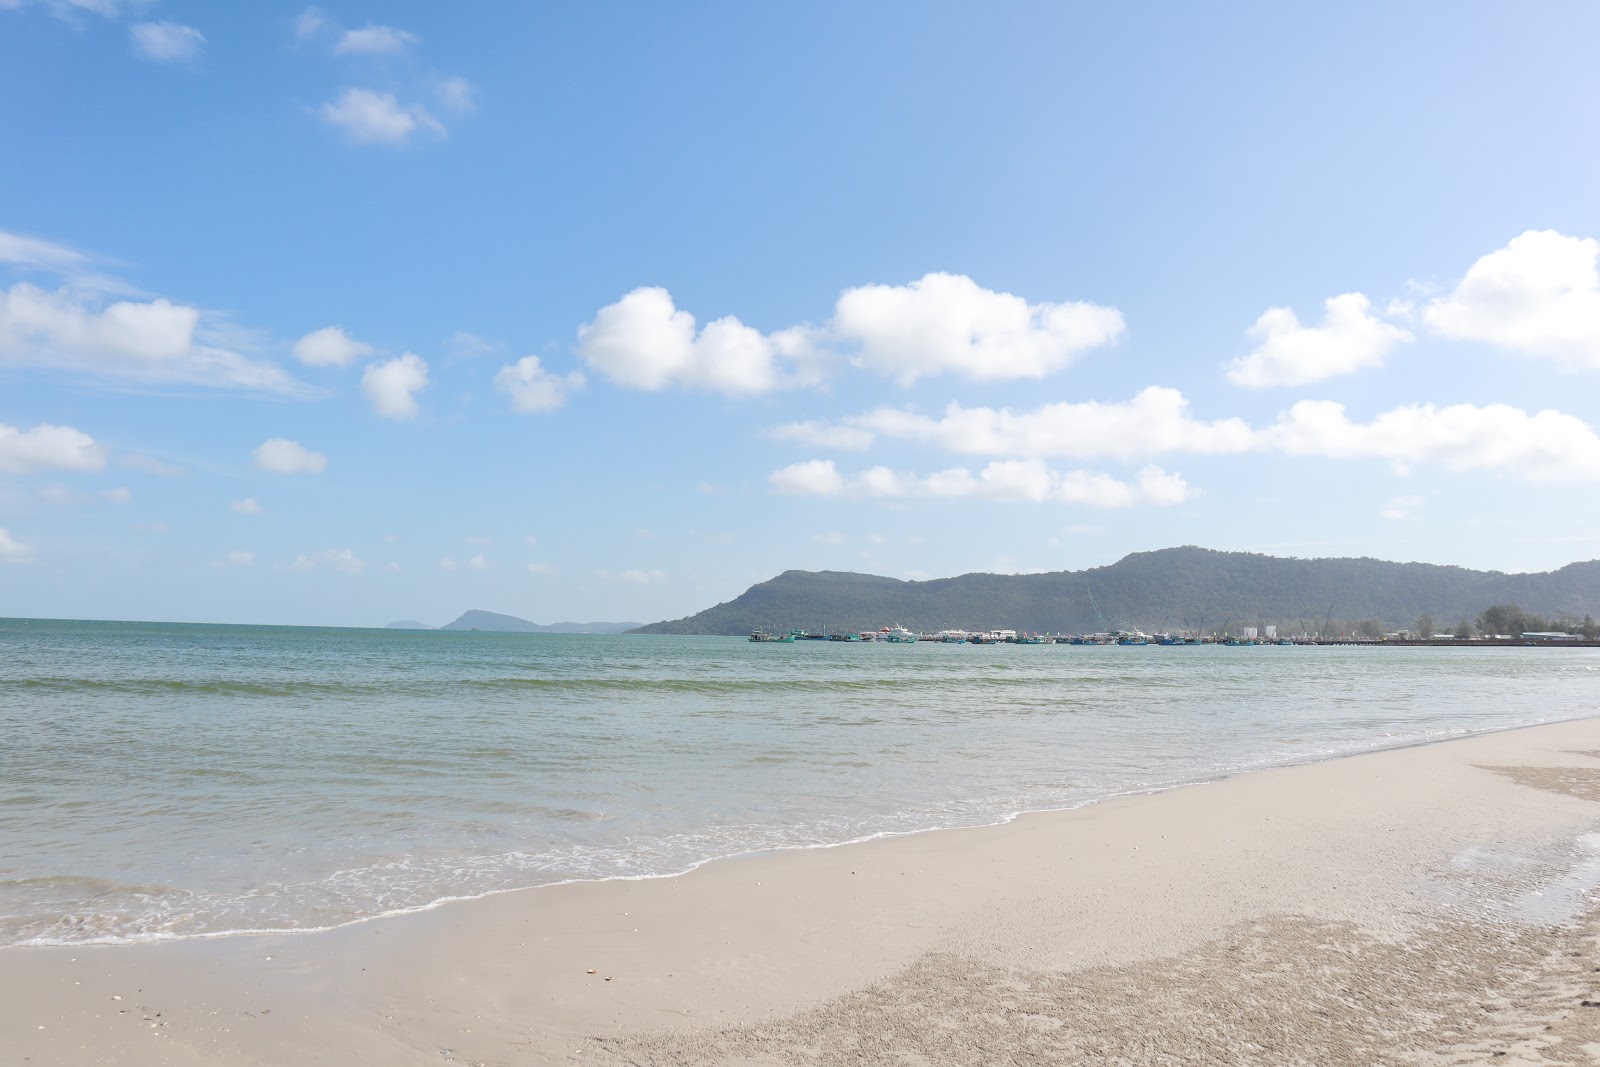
[165, 780]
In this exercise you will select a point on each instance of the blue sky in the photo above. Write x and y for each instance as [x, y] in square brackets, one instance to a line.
[606, 311]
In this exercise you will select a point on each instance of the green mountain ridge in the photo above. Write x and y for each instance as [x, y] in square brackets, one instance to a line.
[1178, 588]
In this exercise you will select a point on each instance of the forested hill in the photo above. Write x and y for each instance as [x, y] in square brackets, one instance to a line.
[1178, 588]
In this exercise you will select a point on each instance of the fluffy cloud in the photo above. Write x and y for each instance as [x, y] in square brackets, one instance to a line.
[247, 506]
[372, 40]
[1015, 479]
[1349, 338]
[816, 477]
[1155, 422]
[12, 550]
[1539, 296]
[152, 341]
[644, 342]
[391, 387]
[47, 447]
[166, 42]
[340, 559]
[281, 456]
[1547, 446]
[532, 388]
[368, 116]
[479, 563]
[240, 558]
[329, 347]
[544, 570]
[120, 495]
[947, 323]
[940, 323]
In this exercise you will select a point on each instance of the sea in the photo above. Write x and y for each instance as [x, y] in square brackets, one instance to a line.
[173, 781]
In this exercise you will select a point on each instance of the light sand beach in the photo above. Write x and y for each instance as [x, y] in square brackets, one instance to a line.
[1427, 905]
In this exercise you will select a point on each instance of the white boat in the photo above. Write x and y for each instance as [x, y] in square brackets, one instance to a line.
[899, 636]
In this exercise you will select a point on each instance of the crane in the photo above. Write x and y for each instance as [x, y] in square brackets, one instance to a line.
[1105, 627]
[1327, 622]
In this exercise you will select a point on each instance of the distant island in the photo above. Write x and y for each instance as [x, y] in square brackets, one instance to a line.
[494, 621]
[407, 624]
[1188, 588]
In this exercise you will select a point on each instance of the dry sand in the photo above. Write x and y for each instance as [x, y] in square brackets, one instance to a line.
[1421, 906]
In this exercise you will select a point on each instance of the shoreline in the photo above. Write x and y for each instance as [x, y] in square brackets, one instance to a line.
[1211, 778]
[1421, 849]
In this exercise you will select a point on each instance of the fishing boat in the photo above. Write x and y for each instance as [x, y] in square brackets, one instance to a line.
[899, 636]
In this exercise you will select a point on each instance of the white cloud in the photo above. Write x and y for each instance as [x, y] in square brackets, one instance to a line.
[310, 22]
[635, 575]
[845, 436]
[832, 537]
[391, 387]
[153, 341]
[58, 494]
[329, 347]
[166, 42]
[464, 345]
[1547, 446]
[47, 447]
[816, 477]
[120, 495]
[1349, 338]
[644, 342]
[456, 94]
[12, 550]
[371, 117]
[532, 388]
[479, 563]
[542, 569]
[947, 323]
[1539, 296]
[281, 456]
[21, 250]
[247, 506]
[1014, 479]
[448, 564]
[1401, 507]
[372, 40]
[940, 323]
[240, 558]
[340, 559]
[1155, 422]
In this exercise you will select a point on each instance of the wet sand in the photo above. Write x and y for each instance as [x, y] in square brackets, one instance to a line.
[1429, 905]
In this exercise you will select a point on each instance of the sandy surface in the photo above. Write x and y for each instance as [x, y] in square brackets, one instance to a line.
[1422, 906]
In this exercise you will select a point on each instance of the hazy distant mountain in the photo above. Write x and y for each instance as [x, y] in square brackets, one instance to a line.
[1180, 588]
[407, 624]
[490, 620]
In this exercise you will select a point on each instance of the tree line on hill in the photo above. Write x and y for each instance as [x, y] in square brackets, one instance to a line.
[1189, 589]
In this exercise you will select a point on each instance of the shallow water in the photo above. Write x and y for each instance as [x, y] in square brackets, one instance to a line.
[174, 780]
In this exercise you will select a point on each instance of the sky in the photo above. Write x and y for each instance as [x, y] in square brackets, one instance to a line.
[606, 311]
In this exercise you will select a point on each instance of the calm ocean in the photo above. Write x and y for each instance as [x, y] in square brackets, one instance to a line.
[172, 780]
